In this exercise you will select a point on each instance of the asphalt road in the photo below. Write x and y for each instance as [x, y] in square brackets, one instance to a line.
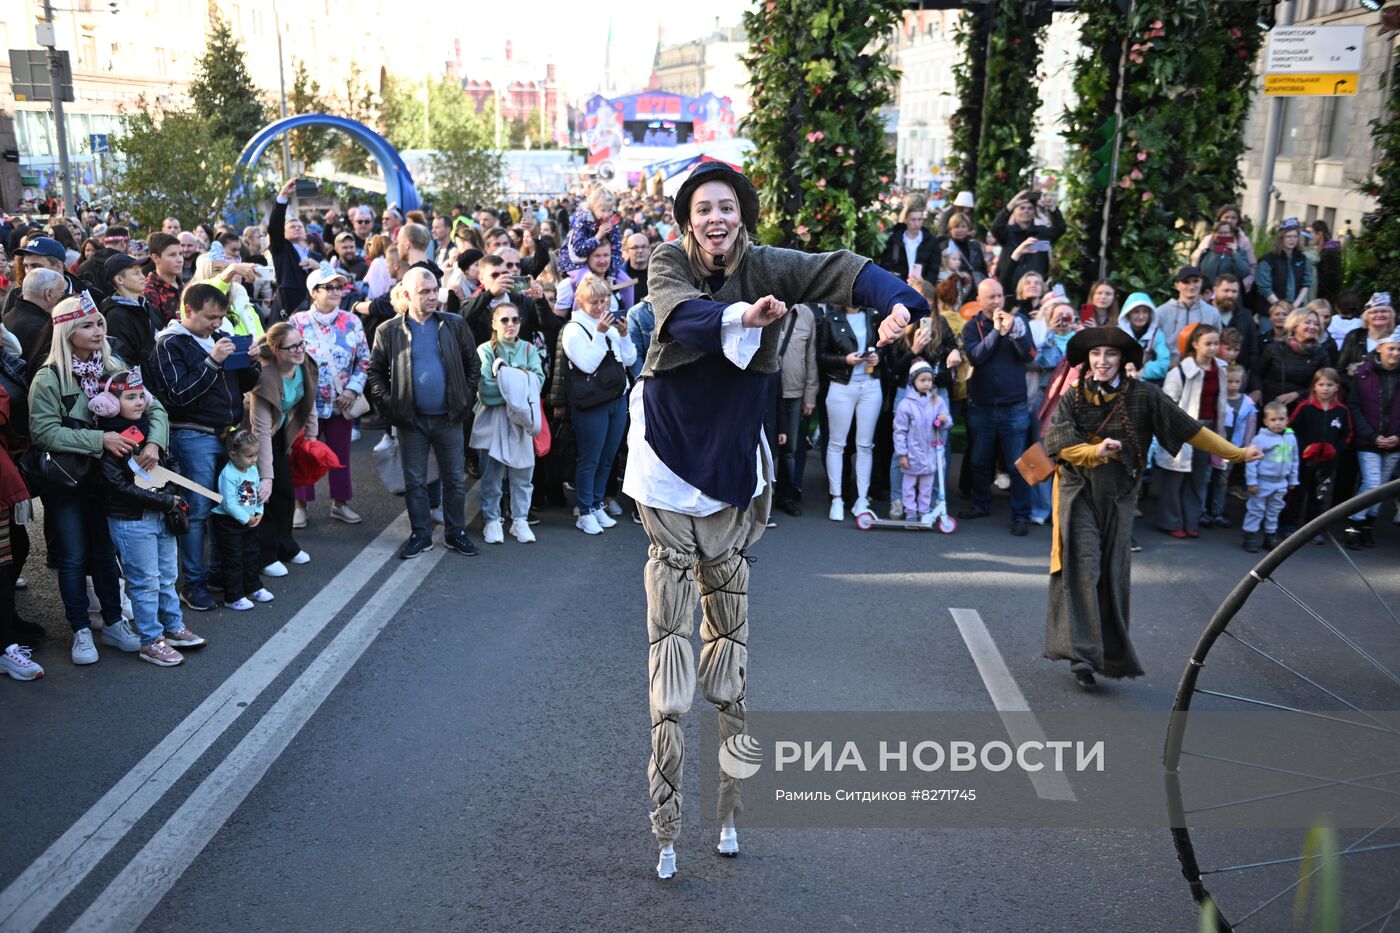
[455, 743]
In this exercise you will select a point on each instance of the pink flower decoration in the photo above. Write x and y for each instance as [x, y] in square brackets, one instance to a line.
[840, 150]
[821, 183]
[816, 136]
[802, 230]
[1146, 196]
[1157, 24]
[1142, 157]
[1126, 182]
[1135, 175]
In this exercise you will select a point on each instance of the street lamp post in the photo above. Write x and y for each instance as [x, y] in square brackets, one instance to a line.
[56, 84]
[282, 84]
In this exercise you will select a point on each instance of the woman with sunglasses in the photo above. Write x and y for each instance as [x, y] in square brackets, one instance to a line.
[280, 407]
[493, 434]
[336, 344]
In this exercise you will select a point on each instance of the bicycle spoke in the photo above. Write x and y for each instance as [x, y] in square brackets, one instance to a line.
[1347, 557]
[1325, 782]
[1351, 849]
[1336, 631]
[1293, 709]
[1307, 680]
[1387, 917]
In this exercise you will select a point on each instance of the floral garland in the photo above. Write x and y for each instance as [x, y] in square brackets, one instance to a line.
[1377, 247]
[969, 82]
[1186, 96]
[818, 79]
[1006, 143]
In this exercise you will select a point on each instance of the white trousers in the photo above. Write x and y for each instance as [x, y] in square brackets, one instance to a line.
[859, 400]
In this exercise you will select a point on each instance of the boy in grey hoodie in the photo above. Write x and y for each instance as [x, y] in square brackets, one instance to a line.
[1270, 479]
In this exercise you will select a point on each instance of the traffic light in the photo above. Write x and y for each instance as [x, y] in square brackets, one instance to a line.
[1103, 156]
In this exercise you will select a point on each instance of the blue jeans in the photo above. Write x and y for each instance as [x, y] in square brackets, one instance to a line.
[599, 432]
[1377, 467]
[84, 546]
[493, 476]
[1004, 426]
[792, 458]
[199, 455]
[443, 439]
[150, 563]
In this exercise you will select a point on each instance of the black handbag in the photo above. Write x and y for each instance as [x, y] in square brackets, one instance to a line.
[57, 475]
[605, 384]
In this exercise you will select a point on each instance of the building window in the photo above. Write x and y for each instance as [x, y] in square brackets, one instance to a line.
[1338, 129]
[162, 67]
[87, 53]
[1287, 128]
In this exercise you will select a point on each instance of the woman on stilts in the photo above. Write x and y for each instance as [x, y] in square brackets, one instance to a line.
[1100, 434]
[698, 467]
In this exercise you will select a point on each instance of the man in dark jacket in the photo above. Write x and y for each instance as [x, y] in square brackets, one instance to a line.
[291, 257]
[132, 321]
[423, 374]
[29, 318]
[1025, 244]
[43, 253]
[998, 344]
[197, 377]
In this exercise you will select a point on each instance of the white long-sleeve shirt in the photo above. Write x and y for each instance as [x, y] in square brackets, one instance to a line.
[654, 484]
[585, 347]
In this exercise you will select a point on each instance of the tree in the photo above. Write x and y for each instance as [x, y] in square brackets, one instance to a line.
[1186, 92]
[450, 109]
[358, 104]
[819, 78]
[1377, 247]
[309, 144]
[970, 82]
[465, 166]
[222, 89]
[170, 164]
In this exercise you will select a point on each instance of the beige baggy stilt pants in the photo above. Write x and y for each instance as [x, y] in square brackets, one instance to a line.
[692, 558]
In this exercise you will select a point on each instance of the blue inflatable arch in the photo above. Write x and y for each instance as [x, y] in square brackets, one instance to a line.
[398, 181]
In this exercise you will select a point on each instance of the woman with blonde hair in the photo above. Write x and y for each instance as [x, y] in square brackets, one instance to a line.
[380, 276]
[280, 407]
[62, 425]
[594, 223]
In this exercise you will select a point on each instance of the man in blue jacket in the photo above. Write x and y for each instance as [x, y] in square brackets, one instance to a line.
[998, 344]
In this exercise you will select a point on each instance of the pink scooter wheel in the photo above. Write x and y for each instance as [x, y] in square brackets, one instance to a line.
[947, 524]
[865, 521]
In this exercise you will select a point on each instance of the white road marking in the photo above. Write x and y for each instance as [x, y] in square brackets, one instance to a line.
[53, 875]
[1007, 698]
[139, 887]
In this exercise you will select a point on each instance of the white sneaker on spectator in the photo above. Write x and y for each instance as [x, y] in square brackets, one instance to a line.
[21, 583]
[588, 524]
[896, 510]
[1003, 481]
[121, 636]
[301, 558]
[520, 531]
[612, 508]
[275, 569]
[492, 534]
[435, 516]
[384, 444]
[261, 596]
[299, 516]
[15, 662]
[243, 604]
[837, 512]
[604, 519]
[341, 512]
[84, 651]
[862, 505]
[354, 434]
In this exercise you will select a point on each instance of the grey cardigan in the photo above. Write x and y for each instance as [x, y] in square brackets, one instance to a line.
[793, 276]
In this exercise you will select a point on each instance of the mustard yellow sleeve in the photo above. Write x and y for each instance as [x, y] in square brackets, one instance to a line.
[1082, 455]
[1212, 443]
[220, 284]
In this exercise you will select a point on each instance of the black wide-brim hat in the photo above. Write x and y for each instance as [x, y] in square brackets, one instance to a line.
[718, 171]
[1114, 337]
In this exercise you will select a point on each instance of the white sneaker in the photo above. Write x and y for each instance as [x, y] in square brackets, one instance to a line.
[241, 605]
[896, 510]
[21, 583]
[384, 444]
[1003, 481]
[435, 516]
[491, 534]
[121, 636]
[354, 435]
[838, 511]
[862, 505]
[612, 508]
[588, 524]
[666, 867]
[604, 519]
[520, 531]
[15, 662]
[728, 842]
[299, 516]
[341, 512]
[926, 519]
[84, 651]
[261, 596]
[275, 569]
[302, 558]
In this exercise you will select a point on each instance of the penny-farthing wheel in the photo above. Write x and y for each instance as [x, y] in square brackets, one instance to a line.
[1313, 632]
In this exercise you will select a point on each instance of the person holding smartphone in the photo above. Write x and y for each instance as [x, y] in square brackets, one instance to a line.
[1220, 253]
[1025, 244]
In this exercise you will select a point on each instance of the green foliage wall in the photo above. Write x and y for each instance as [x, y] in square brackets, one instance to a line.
[819, 78]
